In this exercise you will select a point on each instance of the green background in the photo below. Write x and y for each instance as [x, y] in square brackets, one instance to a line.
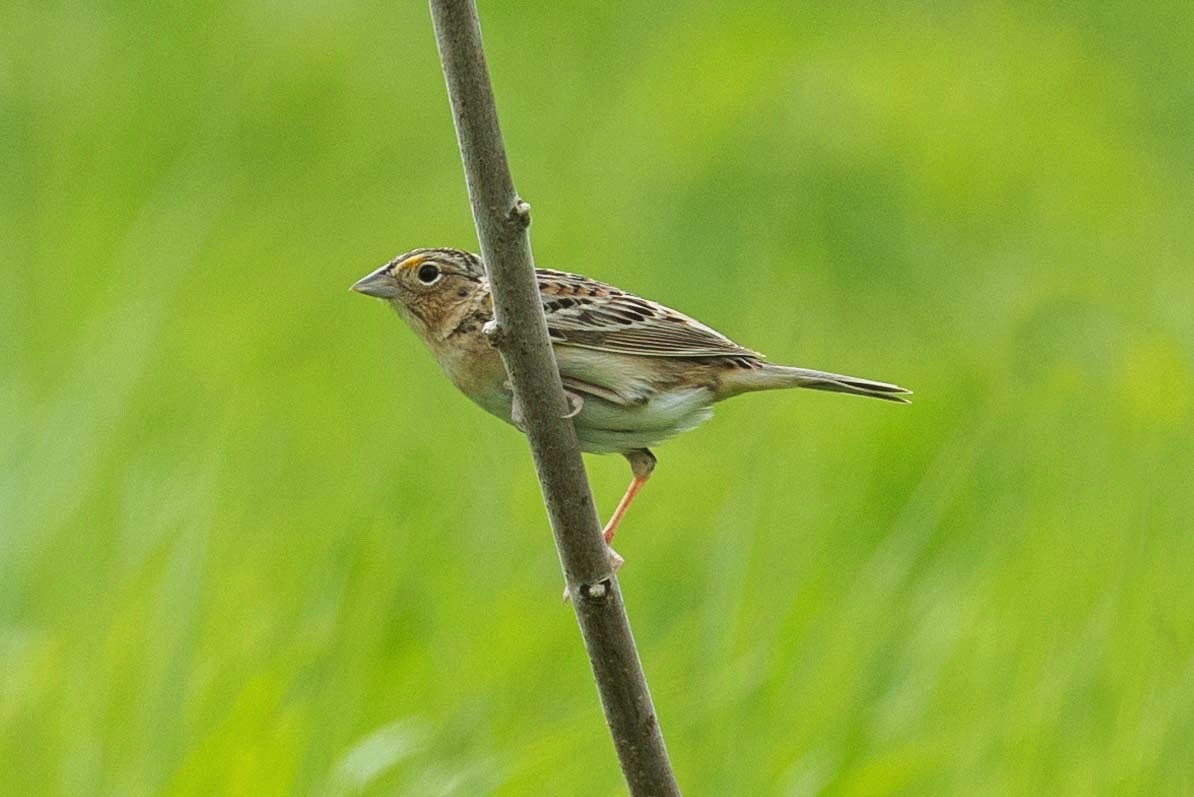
[252, 542]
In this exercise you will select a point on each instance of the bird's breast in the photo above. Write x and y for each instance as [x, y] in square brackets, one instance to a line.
[477, 371]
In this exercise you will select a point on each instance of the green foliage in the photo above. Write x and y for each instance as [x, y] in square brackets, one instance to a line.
[251, 542]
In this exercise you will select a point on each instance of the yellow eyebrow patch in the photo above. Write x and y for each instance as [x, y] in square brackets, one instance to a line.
[412, 262]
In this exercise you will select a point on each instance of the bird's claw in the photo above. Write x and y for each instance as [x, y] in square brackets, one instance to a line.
[516, 416]
[615, 560]
[576, 403]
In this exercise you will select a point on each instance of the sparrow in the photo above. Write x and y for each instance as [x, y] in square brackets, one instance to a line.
[636, 372]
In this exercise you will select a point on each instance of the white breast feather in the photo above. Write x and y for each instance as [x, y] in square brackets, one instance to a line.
[605, 428]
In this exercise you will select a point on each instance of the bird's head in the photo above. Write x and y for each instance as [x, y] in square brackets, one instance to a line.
[428, 287]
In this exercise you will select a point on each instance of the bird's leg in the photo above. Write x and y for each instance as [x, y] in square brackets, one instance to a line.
[642, 462]
[576, 403]
[515, 408]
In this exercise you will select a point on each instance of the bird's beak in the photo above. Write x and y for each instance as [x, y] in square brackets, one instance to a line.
[379, 284]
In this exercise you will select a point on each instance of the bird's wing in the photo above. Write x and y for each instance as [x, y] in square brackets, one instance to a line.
[592, 315]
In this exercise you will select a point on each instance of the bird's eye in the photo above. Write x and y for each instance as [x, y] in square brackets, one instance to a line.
[428, 274]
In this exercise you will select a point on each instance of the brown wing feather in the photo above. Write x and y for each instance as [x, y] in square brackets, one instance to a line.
[590, 314]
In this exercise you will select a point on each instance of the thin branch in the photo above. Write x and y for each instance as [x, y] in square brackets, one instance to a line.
[520, 334]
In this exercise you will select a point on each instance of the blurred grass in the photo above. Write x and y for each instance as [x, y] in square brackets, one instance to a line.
[251, 542]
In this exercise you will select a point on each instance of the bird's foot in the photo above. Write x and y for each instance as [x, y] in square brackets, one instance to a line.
[516, 416]
[576, 403]
[615, 560]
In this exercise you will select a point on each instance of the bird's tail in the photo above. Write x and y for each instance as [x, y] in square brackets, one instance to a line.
[772, 376]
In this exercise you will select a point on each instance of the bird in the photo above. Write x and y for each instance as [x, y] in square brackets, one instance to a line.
[635, 371]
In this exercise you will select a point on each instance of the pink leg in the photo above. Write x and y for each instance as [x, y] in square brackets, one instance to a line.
[642, 462]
